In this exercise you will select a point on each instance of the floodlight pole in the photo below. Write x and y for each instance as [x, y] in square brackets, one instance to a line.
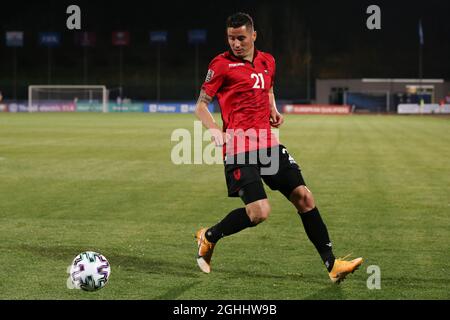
[419, 91]
[49, 65]
[388, 101]
[196, 68]
[158, 72]
[14, 73]
[120, 71]
[420, 60]
[85, 65]
[308, 67]
[420, 64]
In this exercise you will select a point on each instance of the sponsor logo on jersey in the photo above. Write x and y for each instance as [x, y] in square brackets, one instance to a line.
[232, 65]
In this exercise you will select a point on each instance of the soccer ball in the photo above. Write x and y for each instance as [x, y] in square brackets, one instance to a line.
[89, 271]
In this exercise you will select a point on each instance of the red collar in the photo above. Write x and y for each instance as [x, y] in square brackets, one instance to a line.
[230, 55]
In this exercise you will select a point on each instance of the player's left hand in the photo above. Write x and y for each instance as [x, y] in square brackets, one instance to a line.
[276, 119]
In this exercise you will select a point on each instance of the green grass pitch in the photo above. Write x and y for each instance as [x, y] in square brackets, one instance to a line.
[105, 182]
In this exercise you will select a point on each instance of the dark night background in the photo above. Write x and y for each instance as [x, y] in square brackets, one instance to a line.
[341, 45]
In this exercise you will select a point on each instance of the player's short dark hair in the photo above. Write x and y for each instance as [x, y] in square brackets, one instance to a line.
[240, 19]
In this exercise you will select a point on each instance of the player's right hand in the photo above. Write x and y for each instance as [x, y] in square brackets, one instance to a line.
[219, 137]
[276, 119]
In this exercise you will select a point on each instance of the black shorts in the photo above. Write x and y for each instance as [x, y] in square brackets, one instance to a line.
[274, 166]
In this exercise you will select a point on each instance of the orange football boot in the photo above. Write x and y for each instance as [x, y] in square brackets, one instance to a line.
[342, 268]
[205, 251]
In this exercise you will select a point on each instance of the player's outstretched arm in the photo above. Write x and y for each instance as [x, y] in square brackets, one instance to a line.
[203, 114]
[276, 118]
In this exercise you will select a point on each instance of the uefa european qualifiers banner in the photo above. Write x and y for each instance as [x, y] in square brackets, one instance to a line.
[315, 109]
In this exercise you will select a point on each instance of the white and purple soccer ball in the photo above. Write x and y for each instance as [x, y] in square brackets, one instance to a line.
[89, 271]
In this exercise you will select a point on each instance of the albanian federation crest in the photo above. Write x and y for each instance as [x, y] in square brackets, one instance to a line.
[209, 75]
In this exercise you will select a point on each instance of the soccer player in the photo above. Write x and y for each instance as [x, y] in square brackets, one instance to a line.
[242, 80]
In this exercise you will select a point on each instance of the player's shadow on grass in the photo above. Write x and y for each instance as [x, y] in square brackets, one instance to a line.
[153, 265]
[329, 292]
[119, 261]
[257, 274]
[176, 291]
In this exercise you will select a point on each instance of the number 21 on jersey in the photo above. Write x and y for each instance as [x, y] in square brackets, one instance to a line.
[259, 80]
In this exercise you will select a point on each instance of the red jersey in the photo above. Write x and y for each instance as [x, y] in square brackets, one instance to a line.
[242, 91]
